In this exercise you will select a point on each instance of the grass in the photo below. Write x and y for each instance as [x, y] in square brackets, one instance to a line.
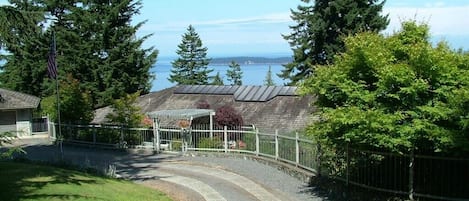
[23, 181]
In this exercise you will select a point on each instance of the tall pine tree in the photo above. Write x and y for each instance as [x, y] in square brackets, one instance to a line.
[234, 73]
[191, 66]
[96, 44]
[321, 27]
[23, 45]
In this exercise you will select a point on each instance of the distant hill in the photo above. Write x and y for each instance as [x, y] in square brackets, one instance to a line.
[250, 60]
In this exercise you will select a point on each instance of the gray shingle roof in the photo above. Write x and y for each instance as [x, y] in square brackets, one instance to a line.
[17, 100]
[281, 109]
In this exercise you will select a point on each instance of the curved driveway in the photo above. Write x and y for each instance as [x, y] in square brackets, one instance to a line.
[183, 177]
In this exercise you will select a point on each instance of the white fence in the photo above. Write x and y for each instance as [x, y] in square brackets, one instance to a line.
[289, 149]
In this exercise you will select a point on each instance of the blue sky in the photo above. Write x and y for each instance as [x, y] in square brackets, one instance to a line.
[254, 27]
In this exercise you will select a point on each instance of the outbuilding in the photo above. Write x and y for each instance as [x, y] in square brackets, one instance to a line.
[16, 112]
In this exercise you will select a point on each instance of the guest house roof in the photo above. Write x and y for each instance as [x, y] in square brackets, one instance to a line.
[17, 100]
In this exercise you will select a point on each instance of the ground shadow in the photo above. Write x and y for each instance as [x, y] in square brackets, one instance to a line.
[336, 190]
[20, 180]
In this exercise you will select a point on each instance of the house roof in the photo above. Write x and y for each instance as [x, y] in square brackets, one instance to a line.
[281, 110]
[17, 100]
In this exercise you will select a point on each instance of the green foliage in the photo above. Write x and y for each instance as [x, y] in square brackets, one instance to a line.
[6, 138]
[96, 43]
[75, 103]
[23, 43]
[321, 26]
[268, 78]
[213, 143]
[234, 73]
[125, 112]
[394, 93]
[218, 80]
[191, 66]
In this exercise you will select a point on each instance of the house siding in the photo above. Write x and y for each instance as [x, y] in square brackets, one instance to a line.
[23, 122]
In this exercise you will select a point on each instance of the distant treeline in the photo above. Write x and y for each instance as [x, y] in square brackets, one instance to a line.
[250, 60]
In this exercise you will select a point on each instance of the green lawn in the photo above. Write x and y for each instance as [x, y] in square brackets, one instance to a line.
[21, 181]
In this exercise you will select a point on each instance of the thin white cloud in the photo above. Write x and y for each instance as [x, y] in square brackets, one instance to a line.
[275, 18]
[443, 20]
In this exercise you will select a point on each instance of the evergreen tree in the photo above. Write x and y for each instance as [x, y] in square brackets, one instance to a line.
[234, 73]
[268, 78]
[218, 80]
[96, 44]
[191, 66]
[321, 26]
[21, 38]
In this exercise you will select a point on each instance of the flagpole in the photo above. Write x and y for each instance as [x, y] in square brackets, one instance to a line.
[57, 92]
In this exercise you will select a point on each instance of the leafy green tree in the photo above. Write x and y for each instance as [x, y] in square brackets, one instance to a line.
[191, 66]
[218, 80]
[125, 112]
[75, 104]
[395, 93]
[321, 25]
[234, 73]
[268, 78]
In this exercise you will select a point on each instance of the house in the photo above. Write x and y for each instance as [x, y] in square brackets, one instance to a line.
[16, 112]
[269, 108]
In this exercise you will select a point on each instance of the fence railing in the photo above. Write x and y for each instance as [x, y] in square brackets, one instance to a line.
[409, 175]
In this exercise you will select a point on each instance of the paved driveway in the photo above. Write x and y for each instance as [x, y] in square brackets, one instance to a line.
[182, 177]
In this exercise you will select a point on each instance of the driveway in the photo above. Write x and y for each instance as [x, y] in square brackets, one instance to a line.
[183, 177]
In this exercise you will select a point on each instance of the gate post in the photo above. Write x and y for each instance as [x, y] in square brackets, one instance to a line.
[257, 142]
[297, 146]
[276, 144]
[411, 175]
[225, 138]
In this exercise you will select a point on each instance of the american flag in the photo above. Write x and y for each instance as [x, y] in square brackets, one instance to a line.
[51, 63]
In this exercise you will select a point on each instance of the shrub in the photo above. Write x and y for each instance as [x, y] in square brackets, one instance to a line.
[228, 116]
[210, 143]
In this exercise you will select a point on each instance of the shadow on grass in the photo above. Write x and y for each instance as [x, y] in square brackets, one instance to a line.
[28, 181]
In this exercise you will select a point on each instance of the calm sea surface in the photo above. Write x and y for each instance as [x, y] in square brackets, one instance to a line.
[253, 74]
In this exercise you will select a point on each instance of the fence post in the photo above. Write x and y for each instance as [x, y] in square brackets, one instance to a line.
[156, 136]
[257, 142]
[121, 140]
[318, 159]
[297, 146]
[225, 138]
[276, 144]
[347, 168]
[54, 134]
[411, 175]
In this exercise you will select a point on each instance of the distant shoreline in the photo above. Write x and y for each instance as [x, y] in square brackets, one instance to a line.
[250, 60]
[241, 60]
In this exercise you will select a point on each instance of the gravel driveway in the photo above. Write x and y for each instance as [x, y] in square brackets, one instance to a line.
[183, 177]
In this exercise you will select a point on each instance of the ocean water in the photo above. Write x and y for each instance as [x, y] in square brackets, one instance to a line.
[253, 74]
